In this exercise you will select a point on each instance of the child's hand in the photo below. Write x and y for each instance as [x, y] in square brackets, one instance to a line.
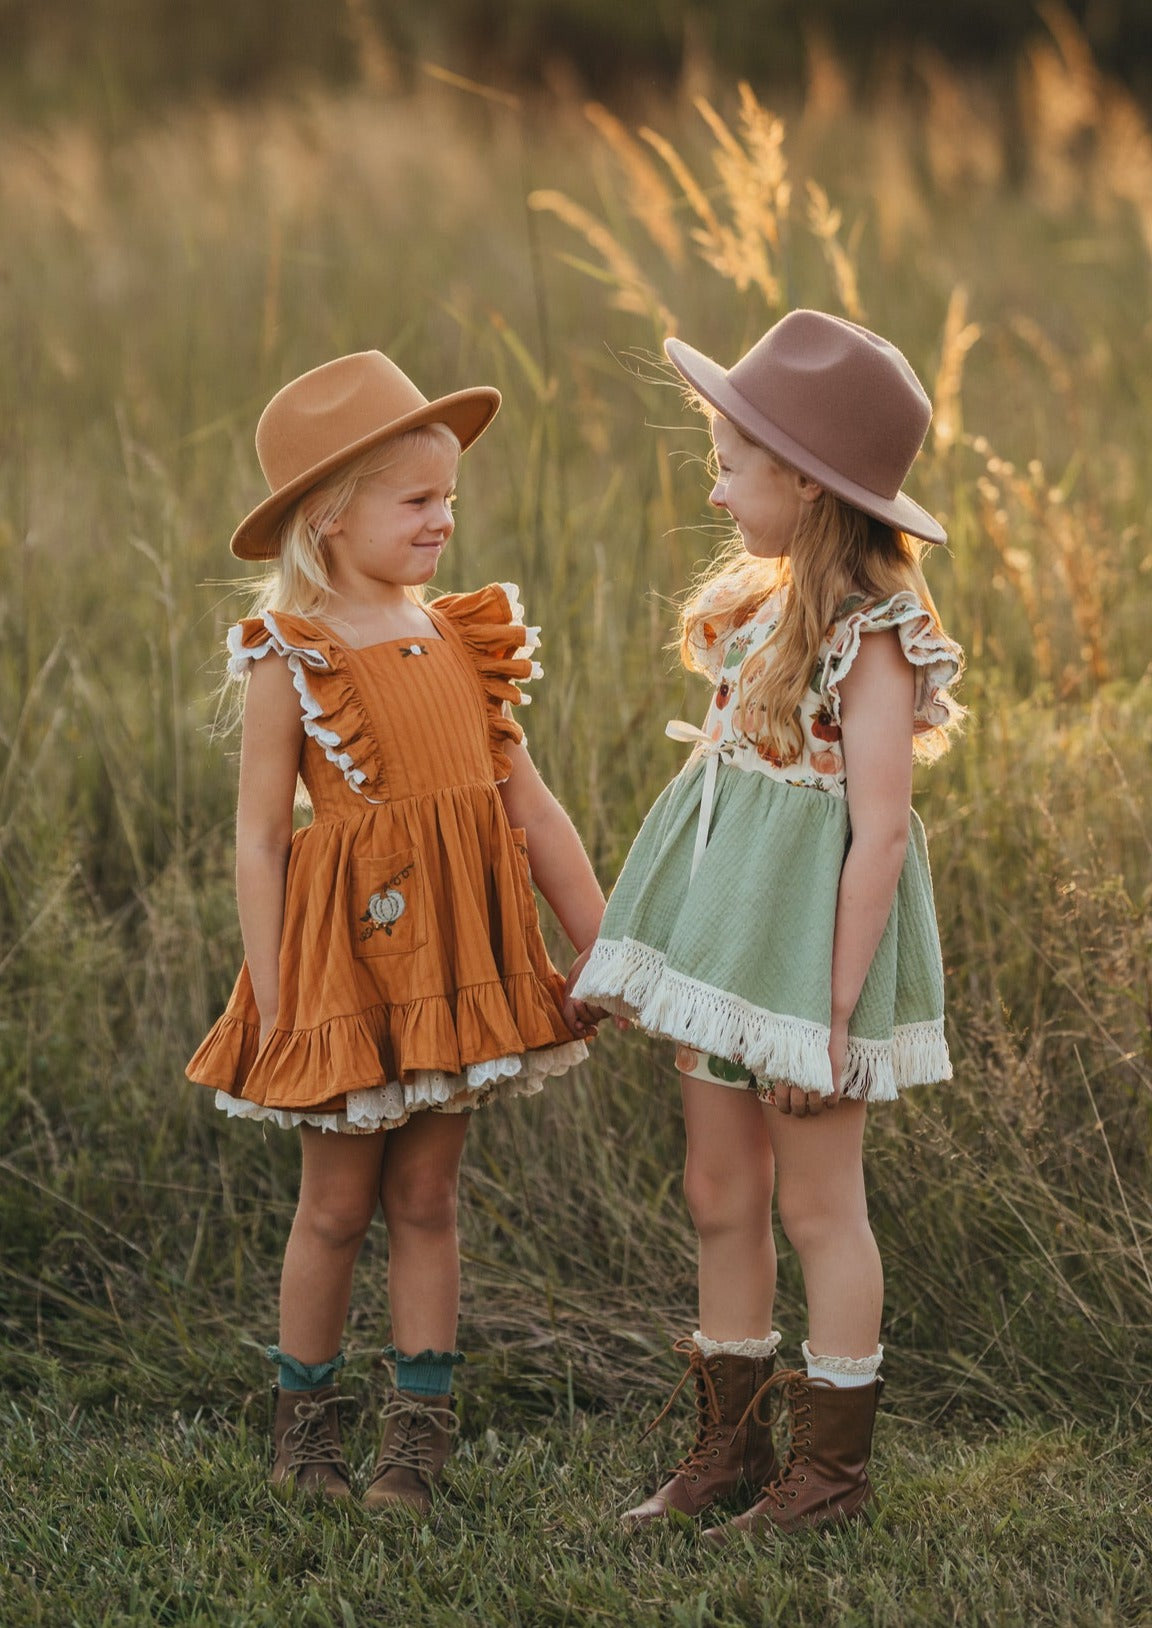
[790, 1099]
[582, 1018]
[584, 1011]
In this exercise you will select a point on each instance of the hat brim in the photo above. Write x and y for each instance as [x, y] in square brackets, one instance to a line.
[467, 414]
[711, 381]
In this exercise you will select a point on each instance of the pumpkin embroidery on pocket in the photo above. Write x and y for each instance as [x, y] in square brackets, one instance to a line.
[385, 906]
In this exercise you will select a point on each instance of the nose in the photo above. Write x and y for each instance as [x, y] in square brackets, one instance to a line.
[444, 521]
[716, 496]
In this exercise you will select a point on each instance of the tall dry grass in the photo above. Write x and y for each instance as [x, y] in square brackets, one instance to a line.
[162, 285]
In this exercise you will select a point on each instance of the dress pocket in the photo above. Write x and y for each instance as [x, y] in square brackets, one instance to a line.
[523, 873]
[387, 904]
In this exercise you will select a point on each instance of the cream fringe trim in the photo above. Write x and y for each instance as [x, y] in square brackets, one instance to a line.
[634, 981]
[297, 657]
[737, 1348]
[387, 1107]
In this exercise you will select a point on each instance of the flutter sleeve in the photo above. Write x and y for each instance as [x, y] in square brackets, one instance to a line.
[936, 659]
[330, 706]
[492, 627]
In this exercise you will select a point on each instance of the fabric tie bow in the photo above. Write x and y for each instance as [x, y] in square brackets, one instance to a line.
[712, 752]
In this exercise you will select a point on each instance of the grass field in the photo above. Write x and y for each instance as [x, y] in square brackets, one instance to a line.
[160, 282]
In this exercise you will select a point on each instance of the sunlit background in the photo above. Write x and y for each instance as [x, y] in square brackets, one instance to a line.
[197, 203]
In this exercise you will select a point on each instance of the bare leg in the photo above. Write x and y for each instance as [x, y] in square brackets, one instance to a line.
[728, 1185]
[339, 1182]
[417, 1190]
[824, 1212]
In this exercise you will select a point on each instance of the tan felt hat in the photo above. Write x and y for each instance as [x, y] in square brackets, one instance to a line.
[332, 414]
[832, 399]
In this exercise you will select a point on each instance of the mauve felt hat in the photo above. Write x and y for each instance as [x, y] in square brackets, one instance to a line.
[322, 419]
[832, 399]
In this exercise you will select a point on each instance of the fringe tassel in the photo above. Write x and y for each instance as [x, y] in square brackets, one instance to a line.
[634, 981]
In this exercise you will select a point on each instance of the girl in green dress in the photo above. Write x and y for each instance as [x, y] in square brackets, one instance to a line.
[775, 918]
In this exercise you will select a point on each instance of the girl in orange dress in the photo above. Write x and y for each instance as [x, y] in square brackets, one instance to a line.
[394, 975]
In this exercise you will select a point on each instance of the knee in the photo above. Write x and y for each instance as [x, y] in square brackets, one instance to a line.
[811, 1225]
[423, 1203]
[722, 1201]
[337, 1221]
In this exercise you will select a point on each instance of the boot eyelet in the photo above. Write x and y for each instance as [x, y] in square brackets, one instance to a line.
[792, 1492]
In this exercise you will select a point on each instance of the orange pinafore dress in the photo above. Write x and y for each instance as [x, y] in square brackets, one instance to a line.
[412, 971]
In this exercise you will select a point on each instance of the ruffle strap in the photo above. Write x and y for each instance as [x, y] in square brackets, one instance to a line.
[936, 658]
[330, 706]
[490, 624]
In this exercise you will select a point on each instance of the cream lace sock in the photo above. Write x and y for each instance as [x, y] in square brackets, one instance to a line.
[843, 1372]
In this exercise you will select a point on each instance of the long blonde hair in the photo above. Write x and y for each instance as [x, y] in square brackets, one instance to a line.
[299, 584]
[837, 551]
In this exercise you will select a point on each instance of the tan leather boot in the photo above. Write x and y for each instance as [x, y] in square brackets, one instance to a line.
[824, 1477]
[732, 1451]
[418, 1433]
[306, 1440]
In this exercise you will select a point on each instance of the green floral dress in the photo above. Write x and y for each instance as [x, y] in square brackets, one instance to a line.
[719, 930]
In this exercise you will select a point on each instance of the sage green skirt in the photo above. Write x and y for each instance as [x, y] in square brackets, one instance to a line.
[736, 961]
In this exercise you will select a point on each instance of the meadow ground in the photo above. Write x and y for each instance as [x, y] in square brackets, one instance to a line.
[160, 282]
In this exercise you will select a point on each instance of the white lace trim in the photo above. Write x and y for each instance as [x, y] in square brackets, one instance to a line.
[857, 1367]
[737, 1348]
[634, 981]
[387, 1107]
[511, 592]
[297, 657]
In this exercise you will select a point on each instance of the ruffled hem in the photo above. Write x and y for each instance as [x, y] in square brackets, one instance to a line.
[635, 981]
[335, 719]
[388, 1107]
[490, 624]
[936, 658]
[478, 1036]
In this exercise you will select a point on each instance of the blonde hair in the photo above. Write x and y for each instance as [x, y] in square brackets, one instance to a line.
[299, 584]
[837, 551]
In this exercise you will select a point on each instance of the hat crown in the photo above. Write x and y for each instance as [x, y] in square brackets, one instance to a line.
[331, 408]
[842, 393]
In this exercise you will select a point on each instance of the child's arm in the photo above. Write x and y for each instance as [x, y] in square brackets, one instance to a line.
[560, 867]
[877, 697]
[269, 761]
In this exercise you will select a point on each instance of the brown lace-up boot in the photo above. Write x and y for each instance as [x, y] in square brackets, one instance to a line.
[306, 1440]
[418, 1433]
[732, 1450]
[824, 1477]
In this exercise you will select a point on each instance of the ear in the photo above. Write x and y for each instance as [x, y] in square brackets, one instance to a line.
[332, 529]
[808, 488]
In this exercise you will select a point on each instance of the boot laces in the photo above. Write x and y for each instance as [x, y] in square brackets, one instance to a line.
[708, 1412]
[310, 1438]
[794, 1391]
[411, 1447]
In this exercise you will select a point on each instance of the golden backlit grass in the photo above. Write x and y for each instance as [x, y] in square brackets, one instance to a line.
[160, 286]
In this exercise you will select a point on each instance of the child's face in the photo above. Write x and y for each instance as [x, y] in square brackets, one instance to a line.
[764, 497]
[397, 525]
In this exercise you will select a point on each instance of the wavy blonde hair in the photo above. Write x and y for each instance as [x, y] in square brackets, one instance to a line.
[299, 584]
[837, 551]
